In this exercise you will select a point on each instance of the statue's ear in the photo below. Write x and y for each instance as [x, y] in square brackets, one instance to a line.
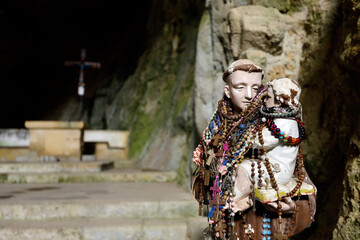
[227, 90]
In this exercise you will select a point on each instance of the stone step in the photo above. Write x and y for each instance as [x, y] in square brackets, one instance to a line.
[101, 200]
[109, 229]
[55, 167]
[112, 175]
[124, 164]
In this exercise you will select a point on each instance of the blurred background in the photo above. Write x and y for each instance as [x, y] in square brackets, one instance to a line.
[160, 78]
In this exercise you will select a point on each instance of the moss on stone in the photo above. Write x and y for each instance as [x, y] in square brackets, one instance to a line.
[3, 178]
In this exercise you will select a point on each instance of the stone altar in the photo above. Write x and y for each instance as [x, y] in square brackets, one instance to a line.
[56, 138]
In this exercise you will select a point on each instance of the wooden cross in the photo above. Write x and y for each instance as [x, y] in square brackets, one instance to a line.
[205, 174]
[207, 177]
[210, 157]
[216, 139]
[82, 64]
[220, 153]
[217, 204]
[215, 190]
[280, 236]
[219, 228]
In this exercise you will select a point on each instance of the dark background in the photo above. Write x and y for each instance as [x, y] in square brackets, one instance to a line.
[36, 37]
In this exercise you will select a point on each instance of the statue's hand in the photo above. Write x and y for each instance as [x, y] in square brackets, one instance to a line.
[287, 205]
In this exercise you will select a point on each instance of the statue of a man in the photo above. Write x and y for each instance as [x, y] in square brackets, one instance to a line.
[250, 171]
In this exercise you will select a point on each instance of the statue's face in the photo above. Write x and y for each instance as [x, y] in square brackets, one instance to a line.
[241, 88]
[271, 101]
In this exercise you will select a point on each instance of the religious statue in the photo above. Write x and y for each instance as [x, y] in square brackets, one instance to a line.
[250, 174]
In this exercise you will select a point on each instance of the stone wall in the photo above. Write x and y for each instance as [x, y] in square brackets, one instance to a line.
[348, 55]
[317, 44]
[169, 99]
[155, 103]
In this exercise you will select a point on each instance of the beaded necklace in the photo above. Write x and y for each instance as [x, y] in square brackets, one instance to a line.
[282, 136]
[300, 172]
[230, 136]
[274, 112]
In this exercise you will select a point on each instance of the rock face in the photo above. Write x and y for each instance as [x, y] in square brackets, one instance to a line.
[264, 35]
[317, 44]
[169, 99]
[155, 103]
[347, 226]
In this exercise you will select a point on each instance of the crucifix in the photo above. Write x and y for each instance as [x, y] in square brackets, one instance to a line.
[215, 189]
[210, 157]
[82, 64]
[217, 203]
[216, 139]
[219, 228]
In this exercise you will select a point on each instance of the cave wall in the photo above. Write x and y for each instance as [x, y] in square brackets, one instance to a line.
[323, 58]
[346, 122]
[155, 102]
[169, 98]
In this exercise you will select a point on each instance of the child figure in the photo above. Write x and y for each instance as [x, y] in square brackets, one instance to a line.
[270, 176]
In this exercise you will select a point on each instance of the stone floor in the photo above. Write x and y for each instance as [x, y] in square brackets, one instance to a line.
[103, 210]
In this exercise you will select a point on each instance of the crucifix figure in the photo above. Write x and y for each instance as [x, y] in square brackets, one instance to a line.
[219, 228]
[217, 203]
[216, 139]
[210, 157]
[215, 189]
[82, 64]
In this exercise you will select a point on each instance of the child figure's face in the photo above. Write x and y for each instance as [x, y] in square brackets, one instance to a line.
[271, 101]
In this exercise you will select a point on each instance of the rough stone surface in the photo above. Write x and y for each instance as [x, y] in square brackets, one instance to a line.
[207, 82]
[57, 167]
[348, 224]
[65, 144]
[113, 175]
[54, 125]
[98, 211]
[228, 32]
[95, 229]
[319, 47]
[14, 138]
[159, 113]
[102, 200]
[115, 139]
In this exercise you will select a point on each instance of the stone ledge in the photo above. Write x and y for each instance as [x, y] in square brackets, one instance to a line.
[54, 125]
[171, 209]
[108, 176]
[99, 229]
[114, 138]
[55, 167]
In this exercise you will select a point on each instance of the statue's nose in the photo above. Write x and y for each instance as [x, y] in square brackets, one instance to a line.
[248, 95]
